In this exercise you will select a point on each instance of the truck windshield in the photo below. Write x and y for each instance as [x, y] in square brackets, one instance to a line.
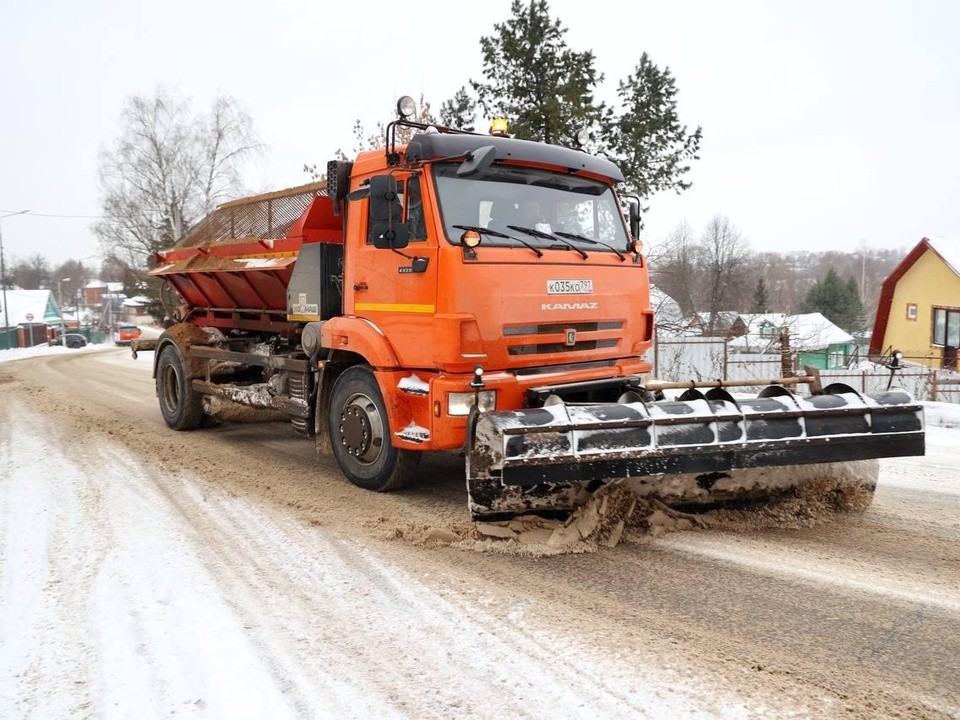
[562, 210]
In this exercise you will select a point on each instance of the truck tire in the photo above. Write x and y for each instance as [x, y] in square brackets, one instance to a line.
[180, 405]
[360, 434]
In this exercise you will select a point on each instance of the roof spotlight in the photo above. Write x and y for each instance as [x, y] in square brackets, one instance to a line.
[582, 137]
[406, 107]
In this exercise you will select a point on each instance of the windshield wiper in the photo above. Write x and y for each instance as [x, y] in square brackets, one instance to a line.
[549, 236]
[498, 234]
[574, 236]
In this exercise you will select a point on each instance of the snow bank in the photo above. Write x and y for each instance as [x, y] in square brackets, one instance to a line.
[941, 414]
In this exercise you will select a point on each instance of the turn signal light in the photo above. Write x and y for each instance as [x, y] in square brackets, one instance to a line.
[470, 238]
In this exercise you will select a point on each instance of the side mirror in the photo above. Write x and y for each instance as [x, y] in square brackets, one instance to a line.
[477, 161]
[387, 231]
[635, 223]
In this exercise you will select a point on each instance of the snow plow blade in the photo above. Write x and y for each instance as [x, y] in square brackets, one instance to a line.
[548, 460]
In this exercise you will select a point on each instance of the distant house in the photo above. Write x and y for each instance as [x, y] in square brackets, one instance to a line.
[93, 292]
[817, 341]
[667, 314]
[30, 314]
[722, 321]
[135, 309]
[919, 309]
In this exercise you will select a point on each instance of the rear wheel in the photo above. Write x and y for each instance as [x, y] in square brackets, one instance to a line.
[360, 434]
[180, 405]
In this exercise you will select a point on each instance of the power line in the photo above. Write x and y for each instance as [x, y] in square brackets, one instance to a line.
[56, 215]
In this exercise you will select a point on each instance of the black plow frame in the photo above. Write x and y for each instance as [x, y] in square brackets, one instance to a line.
[561, 447]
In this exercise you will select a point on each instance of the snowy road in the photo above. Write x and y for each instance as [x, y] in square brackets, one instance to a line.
[231, 572]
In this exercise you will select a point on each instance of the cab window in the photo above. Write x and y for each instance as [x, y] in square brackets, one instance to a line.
[409, 207]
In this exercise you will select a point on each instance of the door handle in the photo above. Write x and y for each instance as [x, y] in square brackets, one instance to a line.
[360, 286]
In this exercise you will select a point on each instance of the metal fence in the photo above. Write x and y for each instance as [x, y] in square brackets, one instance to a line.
[709, 358]
[689, 358]
[917, 381]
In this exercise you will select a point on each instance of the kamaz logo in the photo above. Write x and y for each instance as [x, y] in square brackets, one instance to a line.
[570, 306]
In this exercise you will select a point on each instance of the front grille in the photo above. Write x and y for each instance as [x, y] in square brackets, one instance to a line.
[546, 329]
[556, 337]
[545, 348]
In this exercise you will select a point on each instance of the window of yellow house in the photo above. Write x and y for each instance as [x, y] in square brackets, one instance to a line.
[911, 311]
[946, 327]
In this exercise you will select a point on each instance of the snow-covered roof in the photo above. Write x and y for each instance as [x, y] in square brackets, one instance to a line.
[95, 284]
[949, 250]
[115, 287]
[136, 301]
[808, 331]
[666, 310]
[39, 304]
[723, 316]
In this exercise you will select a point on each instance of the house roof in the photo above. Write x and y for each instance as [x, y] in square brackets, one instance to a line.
[722, 322]
[666, 310]
[808, 331]
[946, 250]
[37, 303]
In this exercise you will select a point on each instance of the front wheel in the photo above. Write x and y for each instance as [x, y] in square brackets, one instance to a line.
[360, 434]
[180, 405]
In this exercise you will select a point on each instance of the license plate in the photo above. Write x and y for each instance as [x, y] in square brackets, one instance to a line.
[569, 287]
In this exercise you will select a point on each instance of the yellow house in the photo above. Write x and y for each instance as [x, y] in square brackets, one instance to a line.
[919, 309]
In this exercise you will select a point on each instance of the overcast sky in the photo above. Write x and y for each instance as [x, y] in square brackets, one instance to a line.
[826, 125]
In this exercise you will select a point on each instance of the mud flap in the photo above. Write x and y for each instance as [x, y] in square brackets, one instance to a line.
[547, 460]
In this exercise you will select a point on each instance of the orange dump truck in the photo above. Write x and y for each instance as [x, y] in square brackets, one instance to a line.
[485, 294]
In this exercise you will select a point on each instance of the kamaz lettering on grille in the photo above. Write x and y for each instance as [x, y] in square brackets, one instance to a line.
[570, 306]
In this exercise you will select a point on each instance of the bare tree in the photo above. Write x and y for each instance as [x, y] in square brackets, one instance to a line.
[78, 276]
[32, 273]
[370, 140]
[675, 265]
[725, 255]
[166, 170]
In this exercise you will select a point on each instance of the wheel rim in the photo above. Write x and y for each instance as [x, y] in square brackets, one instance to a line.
[361, 429]
[171, 388]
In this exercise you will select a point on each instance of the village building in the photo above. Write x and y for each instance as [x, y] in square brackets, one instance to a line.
[919, 309]
[817, 342]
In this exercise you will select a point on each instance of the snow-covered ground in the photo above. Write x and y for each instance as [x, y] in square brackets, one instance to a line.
[37, 350]
[127, 594]
[44, 349]
[128, 590]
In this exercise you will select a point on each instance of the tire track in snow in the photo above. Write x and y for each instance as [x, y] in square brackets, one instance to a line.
[424, 653]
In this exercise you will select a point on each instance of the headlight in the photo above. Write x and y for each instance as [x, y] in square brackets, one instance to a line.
[460, 403]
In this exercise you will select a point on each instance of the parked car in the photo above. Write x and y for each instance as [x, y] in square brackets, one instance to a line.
[126, 334]
[71, 340]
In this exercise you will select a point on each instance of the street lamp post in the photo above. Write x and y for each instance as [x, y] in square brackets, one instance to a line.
[3, 282]
[63, 324]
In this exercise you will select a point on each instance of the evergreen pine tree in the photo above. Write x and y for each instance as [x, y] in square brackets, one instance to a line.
[830, 297]
[459, 111]
[761, 303]
[651, 146]
[532, 78]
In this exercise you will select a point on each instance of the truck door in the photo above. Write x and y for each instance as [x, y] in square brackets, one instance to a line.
[397, 290]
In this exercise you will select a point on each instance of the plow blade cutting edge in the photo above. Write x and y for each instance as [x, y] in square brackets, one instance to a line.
[693, 450]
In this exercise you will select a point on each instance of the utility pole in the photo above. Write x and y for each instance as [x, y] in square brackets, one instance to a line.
[63, 324]
[3, 282]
